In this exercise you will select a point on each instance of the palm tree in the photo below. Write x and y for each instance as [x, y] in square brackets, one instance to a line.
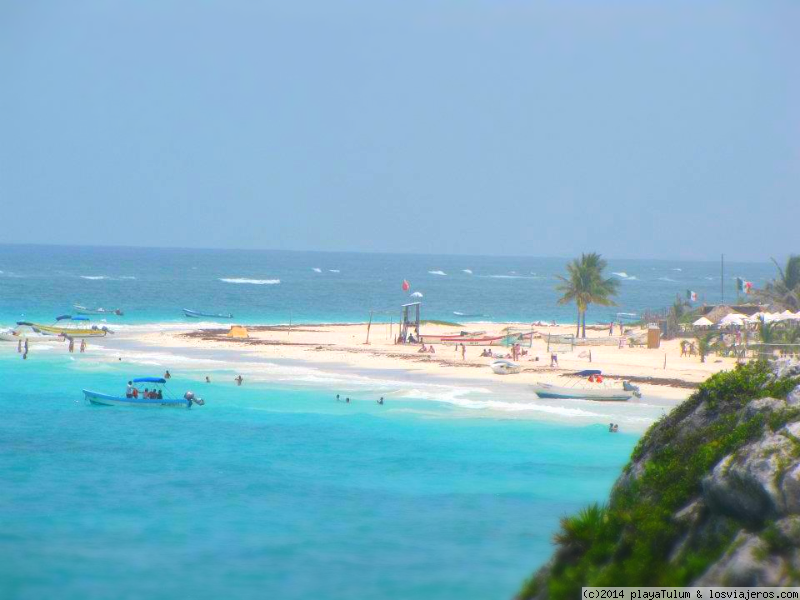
[705, 345]
[784, 290]
[585, 285]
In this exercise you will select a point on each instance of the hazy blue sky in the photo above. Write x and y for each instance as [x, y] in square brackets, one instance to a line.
[638, 129]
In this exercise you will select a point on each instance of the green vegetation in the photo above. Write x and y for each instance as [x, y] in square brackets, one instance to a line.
[784, 290]
[585, 285]
[630, 540]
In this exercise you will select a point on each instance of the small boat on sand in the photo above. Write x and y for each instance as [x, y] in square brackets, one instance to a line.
[193, 314]
[83, 310]
[69, 326]
[156, 396]
[587, 385]
[16, 335]
[505, 367]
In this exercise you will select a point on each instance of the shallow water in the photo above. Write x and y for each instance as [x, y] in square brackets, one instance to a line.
[275, 492]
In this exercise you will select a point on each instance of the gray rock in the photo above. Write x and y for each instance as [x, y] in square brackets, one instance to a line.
[763, 405]
[789, 529]
[786, 367]
[790, 488]
[746, 563]
[745, 484]
[793, 399]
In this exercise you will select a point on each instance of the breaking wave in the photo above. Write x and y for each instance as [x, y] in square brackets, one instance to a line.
[467, 271]
[250, 281]
[437, 272]
[316, 270]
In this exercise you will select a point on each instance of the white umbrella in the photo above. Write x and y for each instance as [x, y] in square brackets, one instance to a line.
[732, 319]
[702, 322]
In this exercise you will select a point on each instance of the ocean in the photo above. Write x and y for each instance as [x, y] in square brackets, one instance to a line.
[274, 489]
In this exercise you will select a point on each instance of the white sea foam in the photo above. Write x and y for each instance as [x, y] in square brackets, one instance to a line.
[416, 295]
[677, 269]
[622, 274]
[467, 271]
[437, 272]
[334, 270]
[666, 279]
[316, 270]
[511, 277]
[242, 280]
[94, 277]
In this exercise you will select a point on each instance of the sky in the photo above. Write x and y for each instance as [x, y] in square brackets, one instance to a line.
[638, 129]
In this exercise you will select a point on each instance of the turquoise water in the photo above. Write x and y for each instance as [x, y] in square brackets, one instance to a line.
[270, 492]
[153, 285]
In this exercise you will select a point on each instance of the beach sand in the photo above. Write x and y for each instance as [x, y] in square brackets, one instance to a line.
[659, 372]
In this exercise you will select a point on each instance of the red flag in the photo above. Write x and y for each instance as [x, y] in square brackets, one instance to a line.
[406, 285]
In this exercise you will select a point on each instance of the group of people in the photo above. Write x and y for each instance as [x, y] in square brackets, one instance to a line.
[429, 350]
[613, 428]
[72, 345]
[132, 392]
[20, 348]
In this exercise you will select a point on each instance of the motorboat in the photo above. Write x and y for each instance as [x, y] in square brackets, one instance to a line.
[162, 399]
[83, 310]
[193, 314]
[505, 367]
[587, 385]
[17, 335]
[69, 326]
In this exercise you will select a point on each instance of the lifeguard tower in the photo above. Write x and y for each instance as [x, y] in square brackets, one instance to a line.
[409, 322]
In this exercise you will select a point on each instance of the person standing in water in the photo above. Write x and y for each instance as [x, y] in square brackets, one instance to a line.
[167, 375]
[83, 346]
[71, 345]
[381, 401]
[239, 379]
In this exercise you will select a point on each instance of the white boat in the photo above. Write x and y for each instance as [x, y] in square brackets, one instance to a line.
[140, 401]
[587, 385]
[505, 367]
[16, 335]
[83, 310]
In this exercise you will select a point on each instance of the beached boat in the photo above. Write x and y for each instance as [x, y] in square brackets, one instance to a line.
[505, 367]
[586, 385]
[139, 400]
[437, 339]
[69, 326]
[16, 335]
[197, 315]
[473, 341]
[83, 310]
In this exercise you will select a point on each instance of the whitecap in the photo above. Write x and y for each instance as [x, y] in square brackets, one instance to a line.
[334, 270]
[250, 281]
[93, 277]
[666, 279]
[316, 270]
[677, 269]
[437, 272]
[467, 271]
[622, 274]
[416, 295]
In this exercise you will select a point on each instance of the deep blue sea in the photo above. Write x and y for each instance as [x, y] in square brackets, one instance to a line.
[272, 489]
[153, 285]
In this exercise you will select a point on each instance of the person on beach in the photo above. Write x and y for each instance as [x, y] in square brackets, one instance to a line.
[431, 349]
[129, 390]
[71, 345]
[463, 352]
[19, 346]
[239, 380]
[83, 346]
[423, 349]
[381, 401]
[554, 360]
[611, 329]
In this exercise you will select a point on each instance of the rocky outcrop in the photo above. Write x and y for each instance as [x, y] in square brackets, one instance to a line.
[711, 496]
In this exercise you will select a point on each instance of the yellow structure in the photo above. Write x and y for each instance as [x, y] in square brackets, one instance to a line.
[237, 331]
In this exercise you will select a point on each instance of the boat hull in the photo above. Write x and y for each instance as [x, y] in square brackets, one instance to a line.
[554, 392]
[31, 338]
[505, 367]
[73, 333]
[193, 314]
[82, 310]
[108, 400]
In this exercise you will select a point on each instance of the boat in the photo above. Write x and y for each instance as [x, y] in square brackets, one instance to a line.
[82, 310]
[473, 341]
[437, 339]
[16, 335]
[77, 328]
[505, 367]
[197, 315]
[164, 402]
[587, 385]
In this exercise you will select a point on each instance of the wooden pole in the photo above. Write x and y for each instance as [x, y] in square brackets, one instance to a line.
[369, 325]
